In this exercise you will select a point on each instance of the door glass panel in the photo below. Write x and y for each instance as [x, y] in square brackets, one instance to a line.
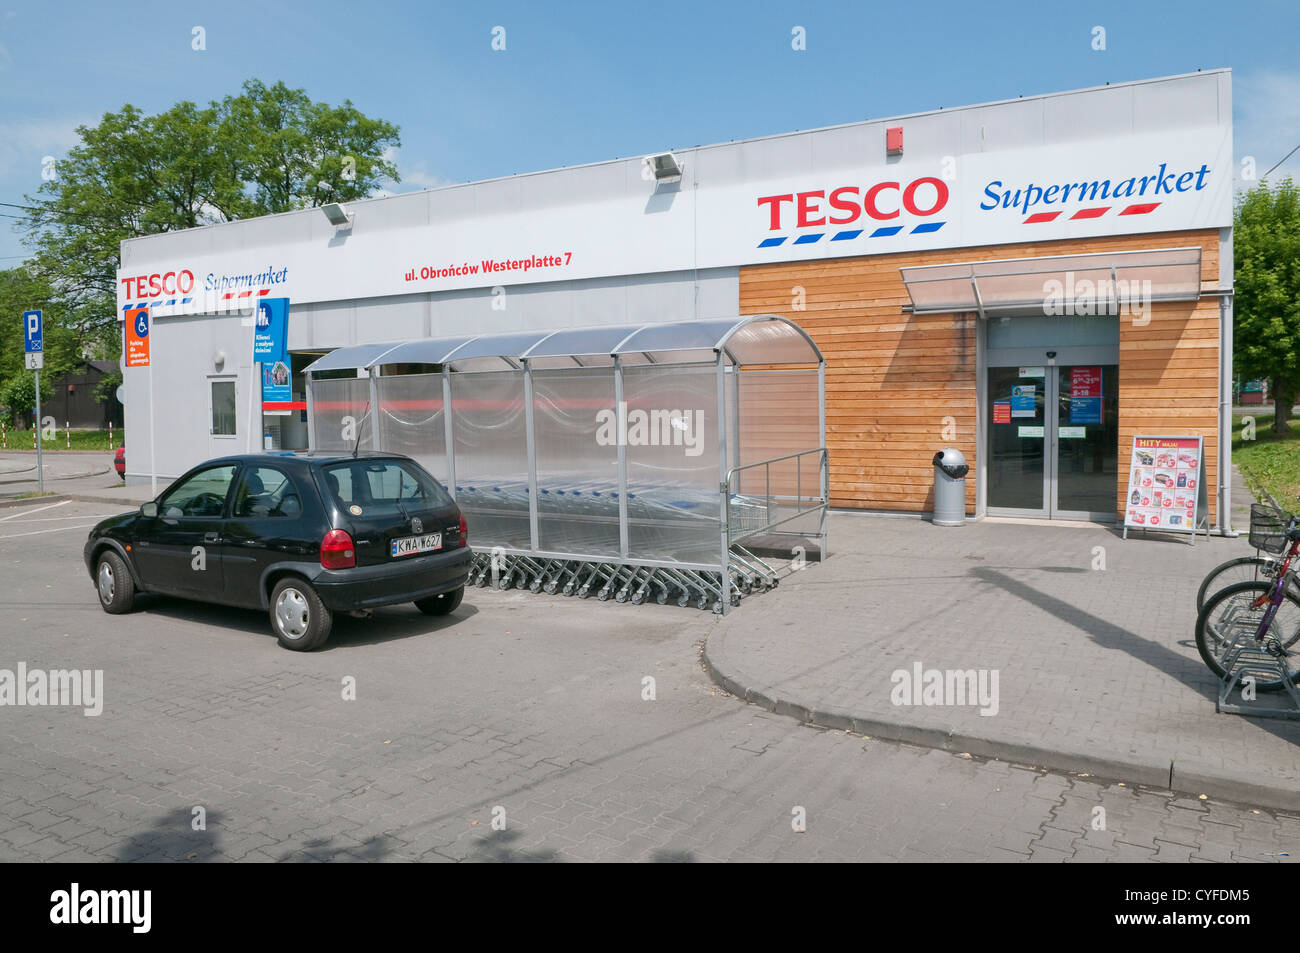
[223, 408]
[1016, 440]
[1087, 417]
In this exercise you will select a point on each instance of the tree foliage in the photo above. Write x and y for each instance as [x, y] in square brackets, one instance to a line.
[1266, 299]
[266, 149]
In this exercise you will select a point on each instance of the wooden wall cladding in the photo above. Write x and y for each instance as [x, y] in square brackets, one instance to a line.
[897, 383]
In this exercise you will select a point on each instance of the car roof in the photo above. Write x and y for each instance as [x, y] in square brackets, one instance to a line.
[304, 457]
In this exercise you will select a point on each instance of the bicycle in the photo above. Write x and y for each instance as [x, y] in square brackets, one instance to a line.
[1265, 612]
[1241, 569]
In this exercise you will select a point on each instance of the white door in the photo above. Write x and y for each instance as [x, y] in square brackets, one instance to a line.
[222, 417]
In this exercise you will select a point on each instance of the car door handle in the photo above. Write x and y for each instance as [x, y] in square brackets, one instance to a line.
[211, 537]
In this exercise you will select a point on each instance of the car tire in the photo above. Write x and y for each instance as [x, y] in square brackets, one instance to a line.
[113, 583]
[300, 621]
[442, 604]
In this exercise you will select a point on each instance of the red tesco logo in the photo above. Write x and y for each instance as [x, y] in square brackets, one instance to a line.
[852, 202]
[158, 284]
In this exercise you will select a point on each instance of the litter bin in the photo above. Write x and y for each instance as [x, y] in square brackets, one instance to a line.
[950, 471]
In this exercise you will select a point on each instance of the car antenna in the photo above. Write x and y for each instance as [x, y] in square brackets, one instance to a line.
[357, 446]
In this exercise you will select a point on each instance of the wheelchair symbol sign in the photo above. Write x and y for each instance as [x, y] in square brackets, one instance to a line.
[142, 324]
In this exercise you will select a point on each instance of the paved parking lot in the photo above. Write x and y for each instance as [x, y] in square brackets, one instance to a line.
[525, 709]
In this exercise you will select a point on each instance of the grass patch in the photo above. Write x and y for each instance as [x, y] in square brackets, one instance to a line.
[81, 440]
[1270, 462]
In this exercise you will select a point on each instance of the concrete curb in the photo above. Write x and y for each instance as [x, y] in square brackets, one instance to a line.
[1166, 774]
[90, 496]
[79, 475]
[31, 500]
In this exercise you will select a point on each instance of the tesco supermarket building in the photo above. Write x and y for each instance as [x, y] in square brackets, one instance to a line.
[938, 260]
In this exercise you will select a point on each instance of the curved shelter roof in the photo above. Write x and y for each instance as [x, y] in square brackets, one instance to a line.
[754, 339]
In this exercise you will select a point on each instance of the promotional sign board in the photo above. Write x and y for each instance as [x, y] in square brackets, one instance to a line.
[137, 337]
[270, 349]
[1166, 485]
[577, 224]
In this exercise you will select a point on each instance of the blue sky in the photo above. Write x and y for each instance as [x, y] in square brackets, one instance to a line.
[580, 82]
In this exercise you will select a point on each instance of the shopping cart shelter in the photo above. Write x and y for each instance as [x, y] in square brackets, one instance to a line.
[1033, 282]
[658, 461]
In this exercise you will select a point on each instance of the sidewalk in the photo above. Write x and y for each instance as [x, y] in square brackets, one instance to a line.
[64, 469]
[1098, 669]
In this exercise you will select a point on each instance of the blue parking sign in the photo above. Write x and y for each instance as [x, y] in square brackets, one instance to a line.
[32, 340]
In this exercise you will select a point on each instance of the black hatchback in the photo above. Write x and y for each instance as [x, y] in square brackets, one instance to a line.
[303, 535]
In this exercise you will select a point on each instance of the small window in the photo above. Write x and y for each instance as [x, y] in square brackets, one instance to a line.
[223, 408]
[266, 493]
[202, 494]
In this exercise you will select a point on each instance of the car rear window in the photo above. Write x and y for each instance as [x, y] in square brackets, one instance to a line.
[384, 484]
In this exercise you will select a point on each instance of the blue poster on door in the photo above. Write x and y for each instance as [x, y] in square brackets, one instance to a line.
[1085, 410]
[1024, 401]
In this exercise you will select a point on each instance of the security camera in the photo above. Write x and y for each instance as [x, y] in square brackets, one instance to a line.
[1051, 354]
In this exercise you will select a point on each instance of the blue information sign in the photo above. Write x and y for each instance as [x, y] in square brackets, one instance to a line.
[270, 336]
[32, 327]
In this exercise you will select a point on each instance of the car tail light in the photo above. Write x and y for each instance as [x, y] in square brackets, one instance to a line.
[337, 551]
[463, 535]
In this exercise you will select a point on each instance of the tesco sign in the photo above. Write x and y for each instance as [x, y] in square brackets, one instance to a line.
[921, 197]
[158, 284]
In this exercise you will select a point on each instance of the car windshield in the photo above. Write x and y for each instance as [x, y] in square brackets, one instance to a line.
[384, 484]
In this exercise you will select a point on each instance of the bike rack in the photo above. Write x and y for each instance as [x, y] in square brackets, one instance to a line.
[1246, 658]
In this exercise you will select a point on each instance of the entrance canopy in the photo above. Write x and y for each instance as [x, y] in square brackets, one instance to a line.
[1061, 284]
[755, 339]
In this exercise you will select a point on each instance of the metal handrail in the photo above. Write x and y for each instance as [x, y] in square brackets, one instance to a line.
[819, 501]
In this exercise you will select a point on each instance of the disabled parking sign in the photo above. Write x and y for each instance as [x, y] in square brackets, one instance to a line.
[137, 337]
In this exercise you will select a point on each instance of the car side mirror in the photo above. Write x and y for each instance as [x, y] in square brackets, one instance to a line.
[149, 509]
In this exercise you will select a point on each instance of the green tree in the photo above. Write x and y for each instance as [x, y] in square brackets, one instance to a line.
[267, 149]
[1266, 298]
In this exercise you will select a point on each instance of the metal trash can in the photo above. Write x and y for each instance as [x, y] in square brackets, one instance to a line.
[950, 471]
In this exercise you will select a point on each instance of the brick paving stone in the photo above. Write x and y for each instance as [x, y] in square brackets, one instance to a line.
[555, 731]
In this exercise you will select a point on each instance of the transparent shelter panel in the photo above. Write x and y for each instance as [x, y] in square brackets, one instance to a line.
[575, 424]
[672, 462]
[341, 410]
[490, 442]
[411, 420]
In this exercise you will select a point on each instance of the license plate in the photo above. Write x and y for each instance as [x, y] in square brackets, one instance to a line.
[410, 545]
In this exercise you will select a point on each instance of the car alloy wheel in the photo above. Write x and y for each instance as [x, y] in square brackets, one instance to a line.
[292, 614]
[107, 584]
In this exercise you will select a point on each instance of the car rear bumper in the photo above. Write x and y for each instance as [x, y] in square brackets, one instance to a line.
[367, 587]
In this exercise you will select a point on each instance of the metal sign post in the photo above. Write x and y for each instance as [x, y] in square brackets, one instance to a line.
[34, 347]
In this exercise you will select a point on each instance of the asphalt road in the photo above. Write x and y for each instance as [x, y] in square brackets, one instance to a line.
[524, 709]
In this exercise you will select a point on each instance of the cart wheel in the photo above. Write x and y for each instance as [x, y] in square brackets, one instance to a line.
[621, 596]
[535, 586]
[568, 589]
[702, 602]
[602, 595]
[480, 581]
[683, 600]
[582, 592]
[717, 607]
[661, 597]
[550, 587]
[735, 600]
[638, 597]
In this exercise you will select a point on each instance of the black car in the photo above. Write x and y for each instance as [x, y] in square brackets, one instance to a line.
[304, 535]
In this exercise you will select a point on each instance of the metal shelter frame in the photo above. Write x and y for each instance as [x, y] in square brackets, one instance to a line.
[763, 499]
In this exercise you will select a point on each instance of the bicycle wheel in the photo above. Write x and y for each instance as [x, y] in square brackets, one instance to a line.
[1241, 569]
[1230, 618]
